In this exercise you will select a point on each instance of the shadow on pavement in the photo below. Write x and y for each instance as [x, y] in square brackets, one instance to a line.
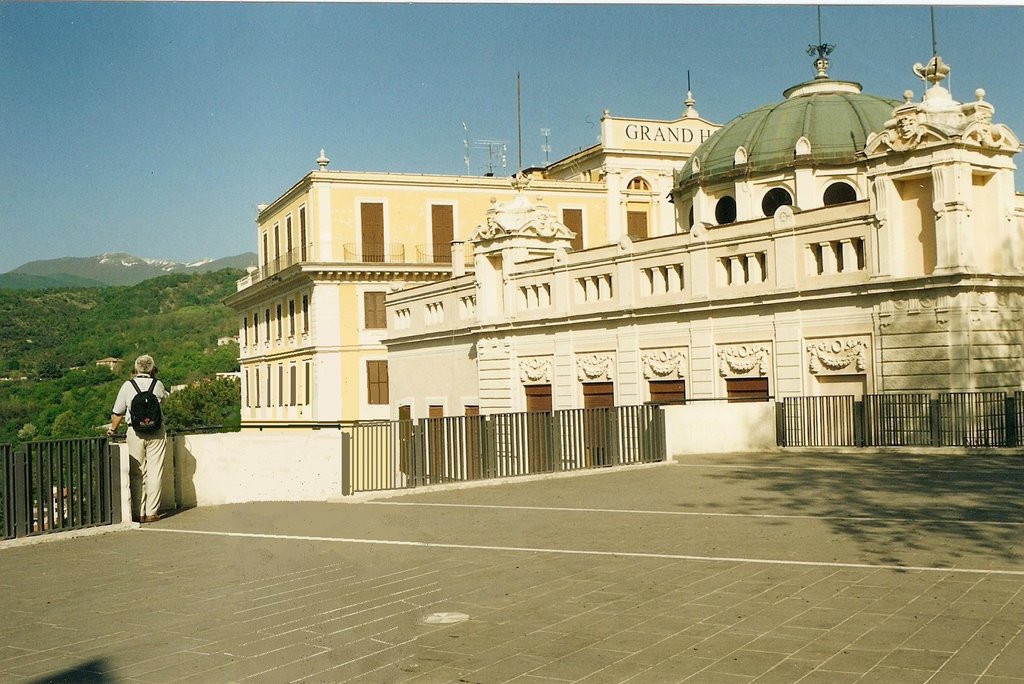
[966, 504]
[90, 672]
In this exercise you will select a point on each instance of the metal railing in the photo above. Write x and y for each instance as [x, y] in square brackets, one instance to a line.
[897, 420]
[819, 421]
[961, 419]
[59, 485]
[1016, 413]
[381, 455]
[433, 254]
[374, 254]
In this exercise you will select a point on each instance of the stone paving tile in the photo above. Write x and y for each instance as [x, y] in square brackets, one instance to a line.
[270, 610]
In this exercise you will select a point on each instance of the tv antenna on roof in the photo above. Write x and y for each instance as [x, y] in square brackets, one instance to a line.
[545, 148]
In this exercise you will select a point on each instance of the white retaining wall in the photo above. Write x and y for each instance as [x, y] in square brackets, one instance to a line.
[719, 428]
[236, 467]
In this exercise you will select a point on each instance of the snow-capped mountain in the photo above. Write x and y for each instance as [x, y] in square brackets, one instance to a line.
[110, 269]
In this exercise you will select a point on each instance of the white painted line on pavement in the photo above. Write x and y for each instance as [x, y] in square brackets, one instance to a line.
[701, 514]
[581, 552]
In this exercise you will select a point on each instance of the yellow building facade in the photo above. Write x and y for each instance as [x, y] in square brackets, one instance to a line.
[312, 313]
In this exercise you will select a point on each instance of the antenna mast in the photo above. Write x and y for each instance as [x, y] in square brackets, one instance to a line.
[931, 10]
[546, 147]
[519, 124]
[465, 145]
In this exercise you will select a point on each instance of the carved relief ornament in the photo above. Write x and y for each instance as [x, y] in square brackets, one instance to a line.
[664, 363]
[535, 371]
[743, 359]
[594, 367]
[837, 355]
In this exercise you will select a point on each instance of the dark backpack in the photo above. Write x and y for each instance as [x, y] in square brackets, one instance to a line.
[146, 415]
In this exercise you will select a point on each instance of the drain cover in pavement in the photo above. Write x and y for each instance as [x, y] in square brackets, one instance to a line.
[445, 618]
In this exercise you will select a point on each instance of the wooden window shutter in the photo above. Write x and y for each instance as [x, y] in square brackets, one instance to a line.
[598, 395]
[374, 315]
[538, 398]
[377, 382]
[442, 225]
[372, 217]
[573, 220]
[636, 224]
[668, 391]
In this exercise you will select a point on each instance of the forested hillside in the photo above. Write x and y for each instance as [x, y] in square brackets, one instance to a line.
[50, 342]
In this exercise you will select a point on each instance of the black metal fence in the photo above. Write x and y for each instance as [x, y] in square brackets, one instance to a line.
[59, 485]
[384, 455]
[963, 419]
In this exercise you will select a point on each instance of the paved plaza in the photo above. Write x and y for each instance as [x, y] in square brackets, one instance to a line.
[832, 568]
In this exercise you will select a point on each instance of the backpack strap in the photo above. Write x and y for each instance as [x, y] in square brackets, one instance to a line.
[137, 388]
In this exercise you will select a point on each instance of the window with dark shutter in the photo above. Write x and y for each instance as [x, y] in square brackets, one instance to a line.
[442, 227]
[377, 382]
[740, 390]
[573, 220]
[372, 218]
[636, 224]
[374, 316]
[668, 391]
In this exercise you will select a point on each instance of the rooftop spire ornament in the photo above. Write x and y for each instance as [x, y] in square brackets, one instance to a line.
[935, 70]
[822, 50]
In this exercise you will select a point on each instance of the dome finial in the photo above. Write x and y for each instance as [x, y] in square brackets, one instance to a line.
[322, 161]
[822, 50]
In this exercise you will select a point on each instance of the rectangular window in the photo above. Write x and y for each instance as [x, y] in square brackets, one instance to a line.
[573, 220]
[288, 233]
[291, 317]
[538, 397]
[598, 395]
[293, 380]
[636, 224]
[257, 387]
[245, 384]
[270, 396]
[255, 327]
[377, 382]
[668, 391]
[309, 383]
[277, 241]
[442, 227]
[305, 313]
[266, 251]
[740, 390]
[374, 316]
[471, 410]
[279, 324]
[266, 323]
[372, 223]
[280, 384]
[245, 331]
[302, 232]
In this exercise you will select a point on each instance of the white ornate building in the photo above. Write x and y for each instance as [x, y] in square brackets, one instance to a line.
[831, 243]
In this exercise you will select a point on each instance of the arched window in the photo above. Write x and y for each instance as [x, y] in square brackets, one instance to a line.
[638, 183]
[775, 198]
[725, 210]
[839, 193]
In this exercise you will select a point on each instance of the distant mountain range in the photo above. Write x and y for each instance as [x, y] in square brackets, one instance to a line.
[108, 269]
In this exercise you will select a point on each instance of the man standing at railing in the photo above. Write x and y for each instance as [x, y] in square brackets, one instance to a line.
[138, 404]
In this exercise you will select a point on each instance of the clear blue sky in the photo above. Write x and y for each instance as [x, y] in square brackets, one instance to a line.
[156, 128]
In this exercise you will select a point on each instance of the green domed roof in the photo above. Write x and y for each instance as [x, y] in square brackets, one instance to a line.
[834, 116]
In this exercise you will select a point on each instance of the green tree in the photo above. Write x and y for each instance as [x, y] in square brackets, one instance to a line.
[204, 404]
